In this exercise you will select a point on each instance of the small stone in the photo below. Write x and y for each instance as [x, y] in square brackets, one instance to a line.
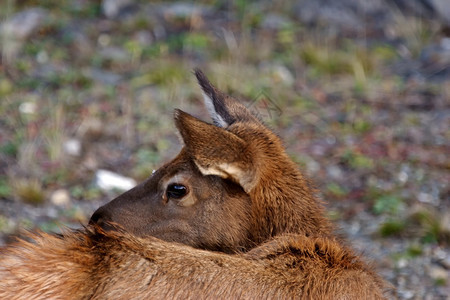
[104, 40]
[144, 37]
[402, 263]
[438, 273]
[334, 172]
[81, 43]
[112, 8]
[104, 77]
[275, 22]
[183, 10]
[28, 108]
[24, 23]
[109, 181]
[435, 58]
[355, 227]
[442, 8]
[114, 54]
[331, 140]
[406, 294]
[425, 197]
[42, 57]
[60, 197]
[402, 176]
[90, 162]
[90, 129]
[445, 221]
[73, 147]
[446, 262]
[282, 74]
[312, 166]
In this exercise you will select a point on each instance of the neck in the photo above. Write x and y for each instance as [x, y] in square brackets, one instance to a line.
[285, 202]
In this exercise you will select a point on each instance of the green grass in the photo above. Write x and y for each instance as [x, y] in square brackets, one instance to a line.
[388, 204]
[5, 188]
[29, 191]
[392, 228]
[357, 160]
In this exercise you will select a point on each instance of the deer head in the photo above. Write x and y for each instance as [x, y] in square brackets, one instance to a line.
[231, 187]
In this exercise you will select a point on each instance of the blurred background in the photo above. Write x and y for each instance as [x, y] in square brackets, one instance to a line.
[359, 91]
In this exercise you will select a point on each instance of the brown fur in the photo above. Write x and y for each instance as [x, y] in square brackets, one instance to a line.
[117, 265]
[244, 196]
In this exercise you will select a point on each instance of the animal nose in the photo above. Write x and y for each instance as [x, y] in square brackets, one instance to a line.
[100, 218]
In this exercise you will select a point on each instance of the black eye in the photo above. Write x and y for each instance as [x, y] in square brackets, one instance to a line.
[176, 191]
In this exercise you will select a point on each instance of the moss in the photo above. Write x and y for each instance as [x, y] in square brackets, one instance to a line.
[391, 228]
[336, 190]
[414, 250]
[357, 160]
[388, 204]
[5, 189]
[440, 281]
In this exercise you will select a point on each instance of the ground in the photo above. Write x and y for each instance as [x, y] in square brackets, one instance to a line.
[359, 93]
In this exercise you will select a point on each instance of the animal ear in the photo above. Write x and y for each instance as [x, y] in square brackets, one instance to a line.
[216, 151]
[224, 110]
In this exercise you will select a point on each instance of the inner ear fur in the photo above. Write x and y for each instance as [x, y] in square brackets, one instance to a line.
[217, 151]
[224, 110]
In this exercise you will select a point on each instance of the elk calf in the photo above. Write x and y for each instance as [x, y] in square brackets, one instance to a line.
[232, 189]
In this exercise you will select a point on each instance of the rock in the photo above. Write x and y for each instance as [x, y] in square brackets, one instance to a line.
[80, 43]
[275, 22]
[109, 181]
[143, 37]
[402, 263]
[185, 14]
[312, 166]
[442, 9]
[60, 197]
[406, 294]
[277, 73]
[90, 162]
[21, 25]
[438, 273]
[115, 54]
[405, 173]
[113, 8]
[435, 59]
[103, 77]
[17, 29]
[430, 9]
[73, 147]
[28, 108]
[344, 16]
[104, 40]
[446, 262]
[425, 197]
[42, 57]
[445, 221]
[184, 10]
[282, 74]
[334, 171]
[350, 17]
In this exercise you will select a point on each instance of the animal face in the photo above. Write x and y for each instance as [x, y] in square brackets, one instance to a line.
[230, 188]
